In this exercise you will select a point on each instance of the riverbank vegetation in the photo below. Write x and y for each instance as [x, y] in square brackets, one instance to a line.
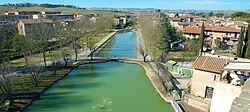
[45, 57]
[158, 34]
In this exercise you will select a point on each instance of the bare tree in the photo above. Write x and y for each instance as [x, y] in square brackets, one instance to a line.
[60, 34]
[41, 34]
[66, 58]
[151, 31]
[35, 71]
[6, 83]
[55, 61]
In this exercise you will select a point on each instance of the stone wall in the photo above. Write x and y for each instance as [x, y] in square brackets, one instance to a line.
[223, 96]
[196, 102]
[242, 103]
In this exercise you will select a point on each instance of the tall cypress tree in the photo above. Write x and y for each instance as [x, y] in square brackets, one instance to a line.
[248, 44]
[240, 44]
[245, 42]
[201, 39]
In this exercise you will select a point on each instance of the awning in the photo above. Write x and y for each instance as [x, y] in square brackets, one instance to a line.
[238, 66]
[234, 76]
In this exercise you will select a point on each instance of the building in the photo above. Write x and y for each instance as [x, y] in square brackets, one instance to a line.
[14, 17]
[28, 13]
[51, 12]
[120, 22]
[229, 87]
[225, 34]
[217, 80]
[27, 26]
[59, 16]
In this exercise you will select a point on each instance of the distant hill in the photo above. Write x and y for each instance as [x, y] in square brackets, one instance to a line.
[64, 10]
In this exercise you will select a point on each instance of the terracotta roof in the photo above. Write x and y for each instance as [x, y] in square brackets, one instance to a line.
[192, 29]
[175, 19]
[226, 29]
[196, 30]
[32, 21]
[207, 63]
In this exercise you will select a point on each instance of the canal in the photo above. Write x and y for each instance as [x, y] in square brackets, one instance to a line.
[104, 87]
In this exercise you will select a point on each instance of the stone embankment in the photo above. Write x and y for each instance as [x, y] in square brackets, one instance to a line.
[154, 78]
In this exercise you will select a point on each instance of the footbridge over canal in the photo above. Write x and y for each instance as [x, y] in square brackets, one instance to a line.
[114, 58]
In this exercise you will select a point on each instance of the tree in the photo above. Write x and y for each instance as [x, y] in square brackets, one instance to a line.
[41, 34]
[55, 61]
[245, 42]
[201, 39]
[248, 43]
[35, 70]
[93, 27]
[240, 44]
[158, 33]
[168, 36]
[6, 83]
[24, 44]
[60, 34]
[177, 15]
[151, 31]
[6, 46]
[211, 14]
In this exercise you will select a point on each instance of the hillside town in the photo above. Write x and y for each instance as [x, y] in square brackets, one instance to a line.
[190, 61]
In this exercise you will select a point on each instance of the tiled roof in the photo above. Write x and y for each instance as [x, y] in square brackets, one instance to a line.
[192, 29]
[207, 63]
[226, 29]
[175, 19]
[196, 30]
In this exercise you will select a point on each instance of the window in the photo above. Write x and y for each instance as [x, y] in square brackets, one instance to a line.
[216, 77]
[209, 92]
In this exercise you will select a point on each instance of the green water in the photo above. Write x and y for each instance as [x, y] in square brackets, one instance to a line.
[125, 85]
[122, 45]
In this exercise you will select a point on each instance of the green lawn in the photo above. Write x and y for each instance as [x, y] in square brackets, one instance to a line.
[38, 57]
[64, 10]
[180, 56]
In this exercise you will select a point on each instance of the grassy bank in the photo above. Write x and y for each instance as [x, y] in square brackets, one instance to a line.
[50, 54]
[64, 10]
[24, 92]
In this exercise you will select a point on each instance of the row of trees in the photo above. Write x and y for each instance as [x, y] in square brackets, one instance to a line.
[75, 35]
[158, 33]
[243, 46]
[208, 14]
[41, 5]
[240, 15]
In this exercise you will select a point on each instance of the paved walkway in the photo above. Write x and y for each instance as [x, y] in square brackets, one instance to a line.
[82, 55]
[98, 45]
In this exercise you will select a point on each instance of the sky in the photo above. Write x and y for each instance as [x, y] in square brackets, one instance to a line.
[161, 4]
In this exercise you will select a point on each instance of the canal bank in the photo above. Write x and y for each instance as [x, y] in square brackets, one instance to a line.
[155, 80]
[164, 82]
[124, 77]
[98, 45]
